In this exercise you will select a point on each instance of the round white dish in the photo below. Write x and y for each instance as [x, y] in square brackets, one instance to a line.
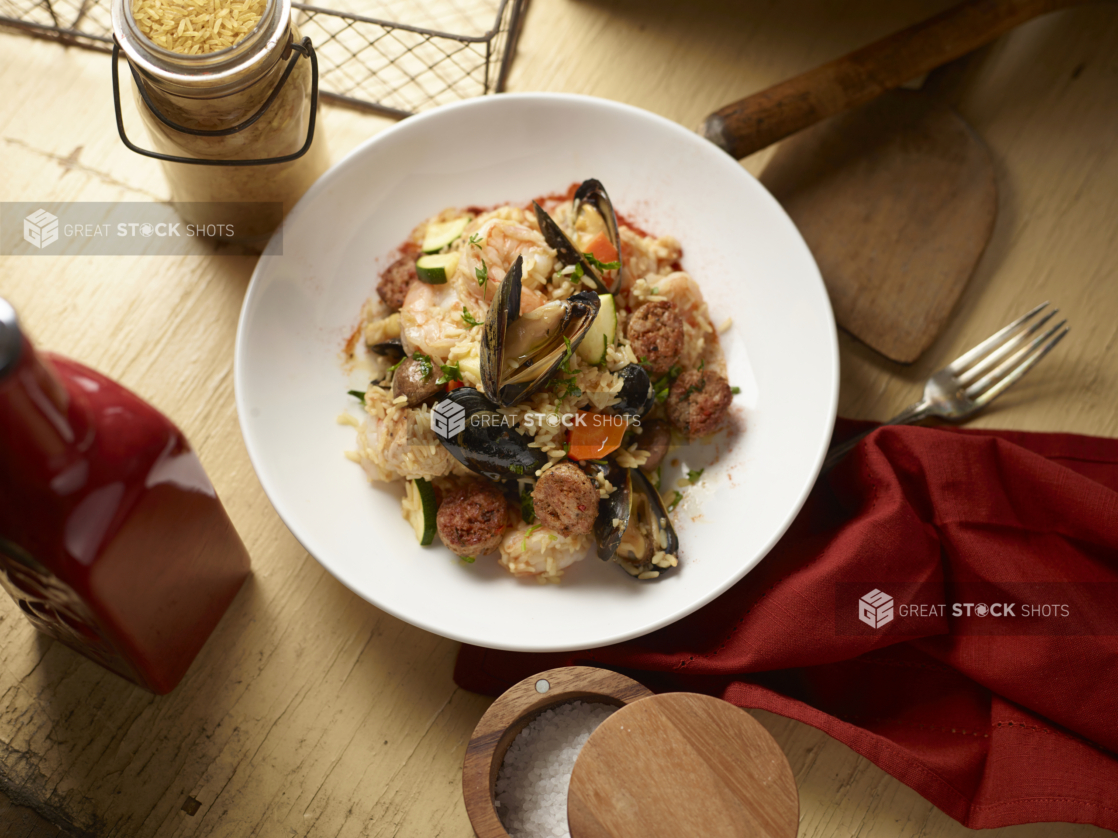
[747, 256]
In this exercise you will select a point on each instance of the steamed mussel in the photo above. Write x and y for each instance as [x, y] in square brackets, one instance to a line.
[637, 396]
[520, 352]
[633, 527]
[592, 214]
[485, 442]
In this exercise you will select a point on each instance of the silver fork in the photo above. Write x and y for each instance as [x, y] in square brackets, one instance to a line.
[977, 377]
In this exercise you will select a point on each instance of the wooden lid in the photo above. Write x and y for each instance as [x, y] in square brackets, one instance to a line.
[512, 712]
[682, 764]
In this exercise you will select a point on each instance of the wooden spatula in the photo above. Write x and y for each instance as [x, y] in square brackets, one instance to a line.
[896, 198]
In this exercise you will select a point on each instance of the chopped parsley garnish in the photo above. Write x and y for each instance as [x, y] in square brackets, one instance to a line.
[424, 361]
[694, 388]
[675, 501]
[563, 387]
[662, 386]
[693, 476]
[577, 274]
[358, 394]
[482, 275]
[396, 366]
[477, 241]
[468, 559]
[735, 390]
[602, 266]
[450, 373]
[468, 318]
[702, 363]
[527, 507]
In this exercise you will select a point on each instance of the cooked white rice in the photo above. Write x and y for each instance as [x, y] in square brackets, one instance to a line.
[397, 443]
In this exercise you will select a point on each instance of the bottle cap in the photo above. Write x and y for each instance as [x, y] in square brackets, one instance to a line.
[11, 339]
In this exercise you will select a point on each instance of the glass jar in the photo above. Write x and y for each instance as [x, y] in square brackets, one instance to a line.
[202, 107]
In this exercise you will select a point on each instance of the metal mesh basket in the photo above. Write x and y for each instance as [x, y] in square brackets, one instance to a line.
[392, 56]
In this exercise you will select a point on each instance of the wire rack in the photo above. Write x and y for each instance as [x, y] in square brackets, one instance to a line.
[394, 57]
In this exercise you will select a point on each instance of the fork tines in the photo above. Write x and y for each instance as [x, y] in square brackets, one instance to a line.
[1003, 358]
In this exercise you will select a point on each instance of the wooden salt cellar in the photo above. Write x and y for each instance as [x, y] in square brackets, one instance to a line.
[514, 711]
[667, 765]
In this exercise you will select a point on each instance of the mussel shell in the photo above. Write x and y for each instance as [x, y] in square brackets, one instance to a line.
[591, 193]
[619, 507]
[637, 395]
[393, 349]
[489, 444]
[566, 250]
[616, 507]
[582, 309]
[504, 309]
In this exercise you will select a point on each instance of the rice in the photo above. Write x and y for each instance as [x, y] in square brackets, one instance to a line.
[444, 323]
[197, 27]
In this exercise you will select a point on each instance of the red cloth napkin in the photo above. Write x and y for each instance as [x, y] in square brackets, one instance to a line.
[996, 719]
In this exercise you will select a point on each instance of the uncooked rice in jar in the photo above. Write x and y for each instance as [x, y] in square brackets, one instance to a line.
[197, 27]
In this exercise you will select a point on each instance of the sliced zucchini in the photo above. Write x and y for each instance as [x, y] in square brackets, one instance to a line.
[436, 268]
[440, 235]
[602, 332]
[420, 509]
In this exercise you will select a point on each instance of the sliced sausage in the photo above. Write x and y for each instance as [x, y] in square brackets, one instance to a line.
[655, 438]
[395, 281]
[416, 381]
[472, 519]
[656, 334]
[566, 500]
[698, 402]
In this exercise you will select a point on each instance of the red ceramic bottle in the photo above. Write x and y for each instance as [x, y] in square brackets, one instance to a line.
[112, 539]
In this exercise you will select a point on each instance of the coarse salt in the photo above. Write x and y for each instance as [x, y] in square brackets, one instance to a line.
[532, 783]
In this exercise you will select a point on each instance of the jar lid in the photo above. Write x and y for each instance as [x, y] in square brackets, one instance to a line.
[11, 338]
[682, 764]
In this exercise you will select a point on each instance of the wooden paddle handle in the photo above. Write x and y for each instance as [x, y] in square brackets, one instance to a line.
[764, 118]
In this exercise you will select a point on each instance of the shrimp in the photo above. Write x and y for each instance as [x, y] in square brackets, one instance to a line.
[682, 290]
[540, 552]
[396, 442]
[497, 243]
[431, 320]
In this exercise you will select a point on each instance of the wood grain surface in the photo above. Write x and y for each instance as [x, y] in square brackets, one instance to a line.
[896, 200]
[311, 713]
[682, 764]
[512, 712]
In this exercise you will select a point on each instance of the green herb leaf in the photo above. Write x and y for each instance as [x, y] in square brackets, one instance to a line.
[468, 318]
[578, 273]
[693, 476]
[527, 507]
[395, 366]
[702, 363]
[424, 362]
[358, 394]
[675, 501]
[735, 390]
[477, 241]
[482, 274]
[450, 373]
[602, 266]
[468, 559]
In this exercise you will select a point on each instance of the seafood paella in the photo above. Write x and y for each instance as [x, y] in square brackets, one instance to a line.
[531, 368]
